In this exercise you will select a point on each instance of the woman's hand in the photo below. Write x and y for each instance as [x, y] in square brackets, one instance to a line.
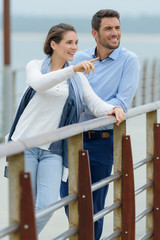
[119, 114]
[85, 66]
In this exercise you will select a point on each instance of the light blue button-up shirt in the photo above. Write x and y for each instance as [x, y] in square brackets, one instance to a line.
[115, 79]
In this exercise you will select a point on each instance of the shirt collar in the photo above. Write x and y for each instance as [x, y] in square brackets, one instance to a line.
[113, 55]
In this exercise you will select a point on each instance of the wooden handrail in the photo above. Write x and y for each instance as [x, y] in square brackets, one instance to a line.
[8, 149]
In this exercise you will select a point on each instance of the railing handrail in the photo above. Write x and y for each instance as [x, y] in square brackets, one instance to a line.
[14, 147]
[11, 148]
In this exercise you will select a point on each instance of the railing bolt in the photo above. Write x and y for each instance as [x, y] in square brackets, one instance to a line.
[126, 174]
[26, 226]
[25, 176]
[157, 208]
[83, 154]
[83, 196]
[157, 158]
[157, 125]
[126, 232]
[126, 138]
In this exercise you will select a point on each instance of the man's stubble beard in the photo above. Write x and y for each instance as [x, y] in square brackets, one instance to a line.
[108, 46]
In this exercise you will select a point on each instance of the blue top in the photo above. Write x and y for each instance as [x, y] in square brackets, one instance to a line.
[115, 79]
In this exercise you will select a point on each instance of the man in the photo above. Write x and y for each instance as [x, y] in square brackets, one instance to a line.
[115, 80]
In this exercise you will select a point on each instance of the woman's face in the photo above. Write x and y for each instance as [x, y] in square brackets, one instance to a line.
[67, 47]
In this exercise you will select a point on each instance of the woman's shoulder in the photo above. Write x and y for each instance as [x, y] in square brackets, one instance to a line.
[34, 63]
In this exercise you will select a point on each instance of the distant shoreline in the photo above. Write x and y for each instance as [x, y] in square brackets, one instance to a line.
[144, 45]
[129, 24]
[125, 36]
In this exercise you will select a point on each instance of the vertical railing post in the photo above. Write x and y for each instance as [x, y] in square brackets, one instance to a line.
[156, 209]
[16, 166]
[151, 118]
[119, 132]
[27, 214]
[128, 192]
[85, 201]
[75, 144]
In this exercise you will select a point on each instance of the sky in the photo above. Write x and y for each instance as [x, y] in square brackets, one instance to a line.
[82, 8]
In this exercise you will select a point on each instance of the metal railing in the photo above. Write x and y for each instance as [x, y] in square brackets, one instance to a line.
[23, 225]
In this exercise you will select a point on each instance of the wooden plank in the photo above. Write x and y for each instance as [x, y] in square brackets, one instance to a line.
[128, 204]
[75, 144]
[85, 202]
[151, 118]
[156, 211]
[119, 132]
[27, 214]
[16, 166]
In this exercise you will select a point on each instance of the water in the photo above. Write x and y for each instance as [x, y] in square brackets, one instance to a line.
[27, 46]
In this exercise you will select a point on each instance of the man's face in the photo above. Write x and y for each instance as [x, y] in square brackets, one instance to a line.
[109, 34]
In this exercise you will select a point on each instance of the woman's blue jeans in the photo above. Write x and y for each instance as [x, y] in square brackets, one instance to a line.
[46, 172]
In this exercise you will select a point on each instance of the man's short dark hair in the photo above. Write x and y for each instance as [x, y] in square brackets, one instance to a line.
[96, 20]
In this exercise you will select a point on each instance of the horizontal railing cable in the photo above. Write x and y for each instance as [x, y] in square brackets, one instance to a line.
[67, 234]
[61, 203]
[105, 181]
[146, 236]
[106, 210]
[113, 235]
[143, 188]
[7, 230]
[144, 213]
[142, 162]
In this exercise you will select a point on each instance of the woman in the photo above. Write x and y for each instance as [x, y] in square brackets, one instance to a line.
[54, 99]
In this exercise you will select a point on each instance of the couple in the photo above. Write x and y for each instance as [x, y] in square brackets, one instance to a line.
[57, 92]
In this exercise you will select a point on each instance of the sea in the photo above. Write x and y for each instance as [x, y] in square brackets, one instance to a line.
[28, 46]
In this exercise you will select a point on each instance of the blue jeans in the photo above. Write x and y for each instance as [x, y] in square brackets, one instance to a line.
[46, 172]
[101, 161]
